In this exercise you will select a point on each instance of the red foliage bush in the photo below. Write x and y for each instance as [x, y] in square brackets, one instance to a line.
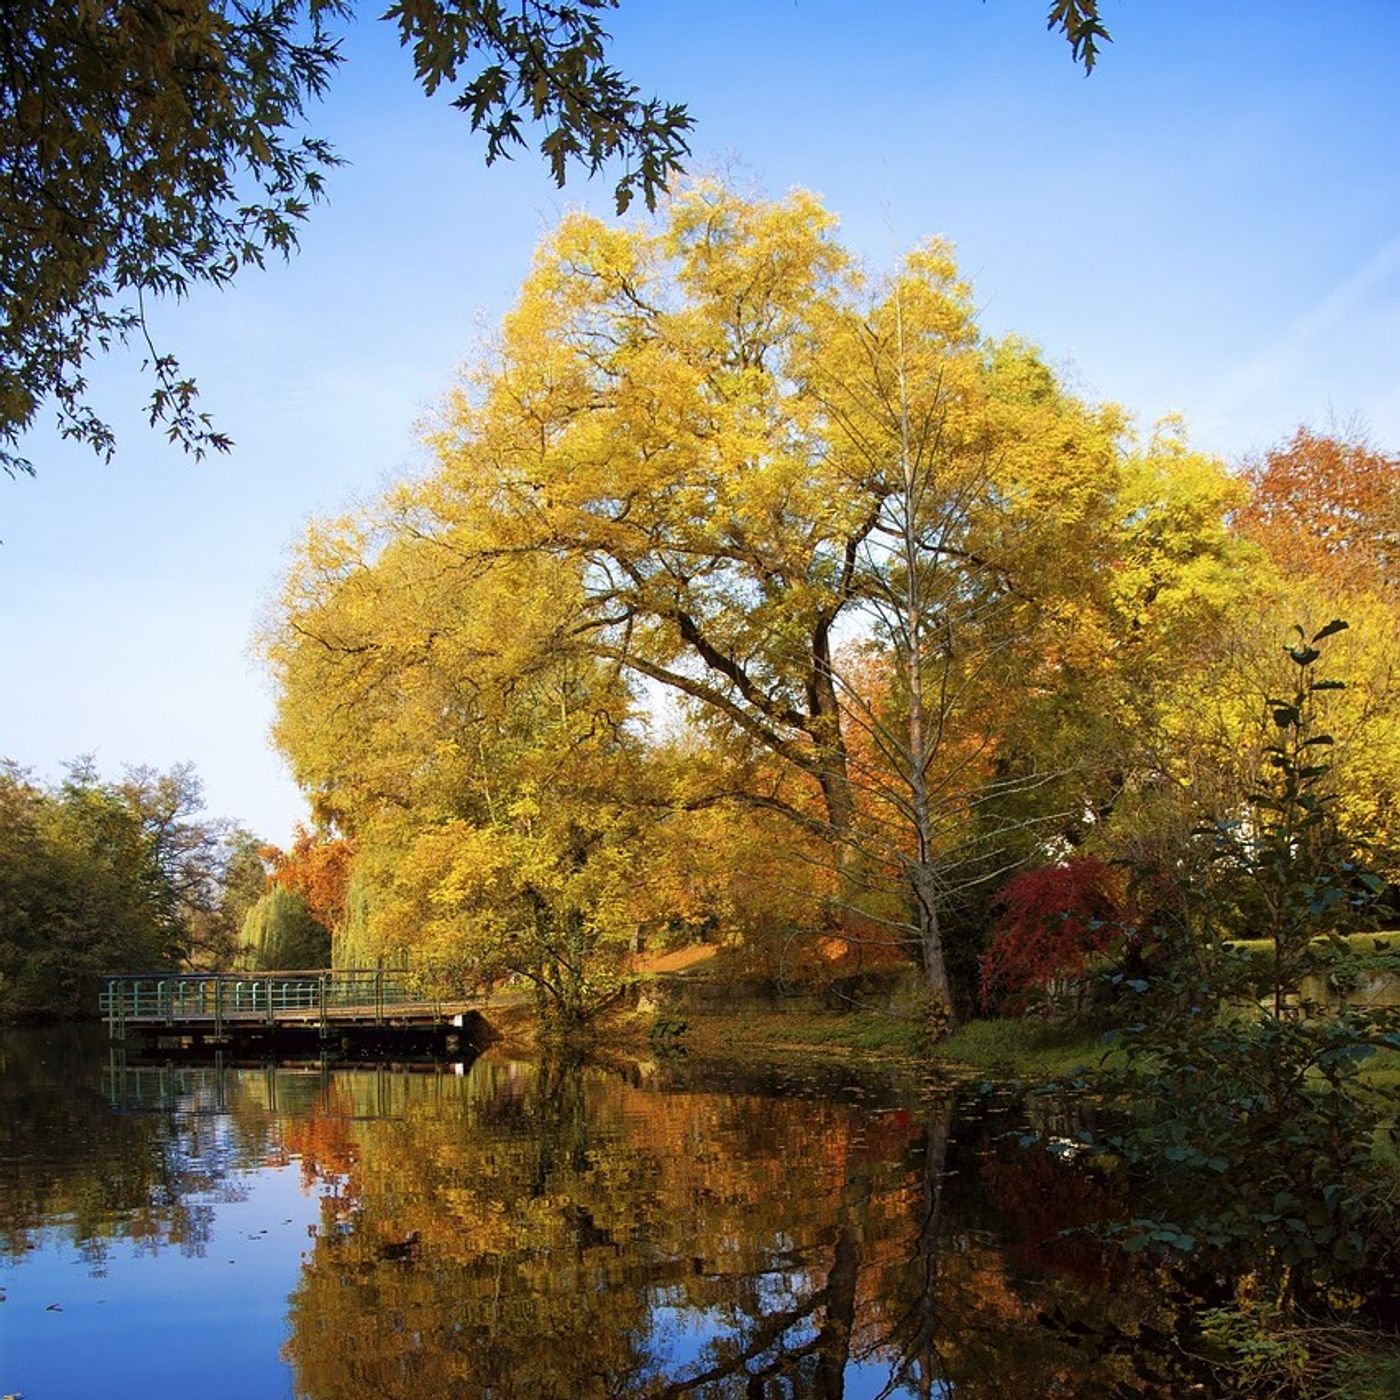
[1050, 922]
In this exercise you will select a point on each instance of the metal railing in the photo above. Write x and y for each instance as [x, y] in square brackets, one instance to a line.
[243, 998]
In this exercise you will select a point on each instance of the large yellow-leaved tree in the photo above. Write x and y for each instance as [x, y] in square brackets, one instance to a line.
[711, 458]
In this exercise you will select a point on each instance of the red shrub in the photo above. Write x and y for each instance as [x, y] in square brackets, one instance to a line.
[1050, 922]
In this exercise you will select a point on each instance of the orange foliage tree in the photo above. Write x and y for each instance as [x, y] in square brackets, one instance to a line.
[1330, 507]
[318, 869]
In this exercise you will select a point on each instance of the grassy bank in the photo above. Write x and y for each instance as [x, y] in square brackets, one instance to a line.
[1021, 1049]
[1383, 943]
[998, 1047]
[1003, 1048]
[821, 1036]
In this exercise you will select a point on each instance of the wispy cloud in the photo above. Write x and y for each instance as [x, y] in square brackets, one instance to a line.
[1348, 302]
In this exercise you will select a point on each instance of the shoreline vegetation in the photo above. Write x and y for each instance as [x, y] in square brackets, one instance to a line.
[693, 1002]
[1000, 1048]
[1004, 1048]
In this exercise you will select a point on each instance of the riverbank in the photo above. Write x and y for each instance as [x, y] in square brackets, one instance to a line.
[1002, 1048]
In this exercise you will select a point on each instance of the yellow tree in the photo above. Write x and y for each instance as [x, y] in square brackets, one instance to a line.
[705, 418]
[1311, 527]
[1326, 508]
[439, 714]
[985, 481]
[645, 417]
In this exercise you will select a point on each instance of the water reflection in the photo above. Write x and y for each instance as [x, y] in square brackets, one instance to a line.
[520, 1229]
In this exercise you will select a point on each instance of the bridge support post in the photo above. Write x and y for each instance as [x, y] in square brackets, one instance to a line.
[219, 1007]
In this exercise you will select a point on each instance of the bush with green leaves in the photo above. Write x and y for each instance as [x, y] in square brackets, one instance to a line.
[1247, 1126]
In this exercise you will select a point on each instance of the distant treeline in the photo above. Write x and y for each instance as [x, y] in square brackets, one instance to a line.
[101, 875]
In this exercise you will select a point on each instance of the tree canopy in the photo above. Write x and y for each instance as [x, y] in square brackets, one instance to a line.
[100, 876]
[1328, 507]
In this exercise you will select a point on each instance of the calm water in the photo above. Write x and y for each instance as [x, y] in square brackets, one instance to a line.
[505, 1228]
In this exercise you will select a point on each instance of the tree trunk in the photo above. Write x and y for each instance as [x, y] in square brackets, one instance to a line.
[921, 1346]
[925, 893]
[833, 775]
[834, 1339]
[824, 729]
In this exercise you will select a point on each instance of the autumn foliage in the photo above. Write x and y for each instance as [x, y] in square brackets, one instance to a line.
[1330, 507]
[906, 607]
[318, 869]
[1050, 922]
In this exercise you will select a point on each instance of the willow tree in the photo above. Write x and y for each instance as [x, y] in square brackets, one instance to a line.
[280, 931]
[990, 489]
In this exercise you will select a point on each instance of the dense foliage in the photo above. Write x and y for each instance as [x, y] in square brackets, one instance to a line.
[1249, 1132]
[280, 931]
[99, 876]
[317, 870]
[1329, 507]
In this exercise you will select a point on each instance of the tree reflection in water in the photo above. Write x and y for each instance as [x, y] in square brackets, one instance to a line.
[547, 1230]
[73, 1165]
[543, 1229]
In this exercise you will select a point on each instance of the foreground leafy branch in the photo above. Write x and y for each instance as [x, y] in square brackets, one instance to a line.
[150, 148]
[1248, 1128]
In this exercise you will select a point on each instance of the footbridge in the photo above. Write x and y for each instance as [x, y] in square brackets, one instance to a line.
[319, 1003]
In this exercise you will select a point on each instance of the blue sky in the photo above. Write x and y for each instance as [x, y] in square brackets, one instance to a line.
[1210, 225]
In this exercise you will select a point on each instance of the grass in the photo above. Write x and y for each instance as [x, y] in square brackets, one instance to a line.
[1023, 1049]
[1373, 1377]
[816, 1035]
[1382, 1070]
[1004, 1047]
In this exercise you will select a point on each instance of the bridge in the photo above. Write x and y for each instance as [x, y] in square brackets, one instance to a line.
[321, 1003]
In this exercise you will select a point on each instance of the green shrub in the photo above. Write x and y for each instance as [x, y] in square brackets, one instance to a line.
[1248, 1129]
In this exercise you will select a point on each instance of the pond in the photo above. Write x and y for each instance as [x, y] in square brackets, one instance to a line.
[513, 1228]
